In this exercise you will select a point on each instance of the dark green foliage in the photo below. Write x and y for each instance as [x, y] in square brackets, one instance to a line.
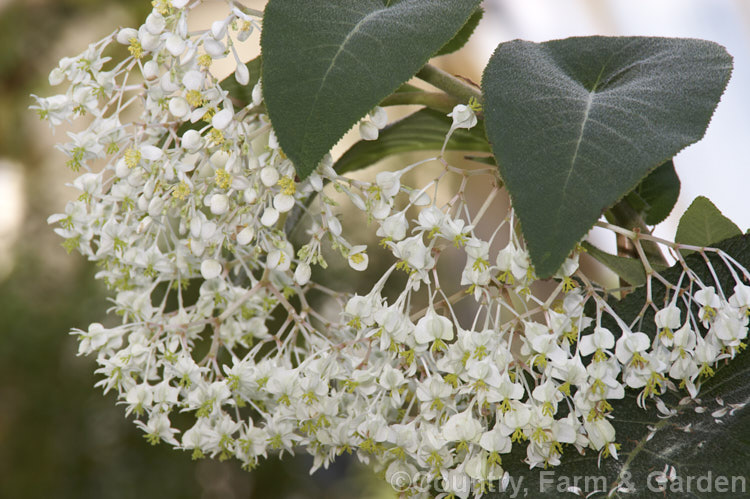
[576, 124]
[657, 194]
[704, 225]
[327, 63]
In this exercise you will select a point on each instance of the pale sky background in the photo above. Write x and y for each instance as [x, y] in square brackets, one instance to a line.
[719, 165]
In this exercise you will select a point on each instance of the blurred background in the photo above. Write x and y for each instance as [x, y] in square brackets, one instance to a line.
[59, 436]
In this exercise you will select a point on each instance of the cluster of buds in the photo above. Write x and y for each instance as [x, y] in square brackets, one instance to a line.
[189, 221]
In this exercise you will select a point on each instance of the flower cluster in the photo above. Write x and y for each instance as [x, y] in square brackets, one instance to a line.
[190, 219]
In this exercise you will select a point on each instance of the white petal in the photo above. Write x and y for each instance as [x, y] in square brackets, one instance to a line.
[150, 70]
[192, 140]
[155, 23]
[214, 48]
[270, 217]
[210, 269]
[222, 119]
[125, 35]
[359, 261]
[250, 196]
[179, 107]
[269, 176]
[246, 236]
[151, 153]
[379, 117]
[175, 45]
[219, 29]
[283, 202]
[219, 204]
[368, 131]
[257, 94]
[193, 80]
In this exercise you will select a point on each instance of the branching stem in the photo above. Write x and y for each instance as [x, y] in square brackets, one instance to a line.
[456, 87]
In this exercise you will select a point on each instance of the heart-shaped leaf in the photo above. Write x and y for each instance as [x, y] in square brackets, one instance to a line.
[327, 63]
[703, 225]
[457, 42]
[575, 124]
[657, 194]
[629, 269]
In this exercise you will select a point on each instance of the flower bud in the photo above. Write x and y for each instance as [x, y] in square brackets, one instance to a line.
[219, 204]
[125, 35]
[210, 269]
[302, 274]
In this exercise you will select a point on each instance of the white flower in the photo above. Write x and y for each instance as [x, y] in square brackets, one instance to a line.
[668, 319]
[155, 23]
[729, 326]
[741, 296]
[495, 440]
[431, 219]
[600, 432]
[710, 302]
[358, 259]
[392, 380]
[368, 131]
[317, 368]
[602, 339]
[214, 48]
[394, 227]
[389, 182]
[257, 94]
[193, 80]
[629, 344]
[414, 253]
[159, 428]
[463, 117]
[462, 427]
[513, 263]
[433, 327]
[175, 44]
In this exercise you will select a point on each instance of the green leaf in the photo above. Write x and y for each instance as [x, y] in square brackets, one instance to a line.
[704, 225]
[628, 269]
[575, 124]
[458, 41]
[327, 63]
[422, 131]
[693, 442]
[657, 194]
[485, 160]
